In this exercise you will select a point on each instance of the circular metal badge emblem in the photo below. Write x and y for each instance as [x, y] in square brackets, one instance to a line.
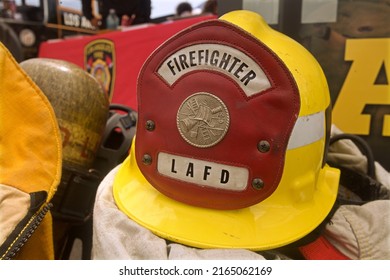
[203, 120]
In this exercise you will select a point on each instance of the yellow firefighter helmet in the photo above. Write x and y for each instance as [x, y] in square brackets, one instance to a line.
[233, 124]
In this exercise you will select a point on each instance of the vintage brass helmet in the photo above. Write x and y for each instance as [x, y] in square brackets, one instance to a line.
[233, 124]
[81, 108]
[80, 105]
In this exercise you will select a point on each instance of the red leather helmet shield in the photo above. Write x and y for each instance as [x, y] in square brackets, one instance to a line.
[216, 109]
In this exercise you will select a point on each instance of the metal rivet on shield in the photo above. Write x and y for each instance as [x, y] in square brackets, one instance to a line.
[263, 146]
[150, 125]
[147, 159]
[257, 183]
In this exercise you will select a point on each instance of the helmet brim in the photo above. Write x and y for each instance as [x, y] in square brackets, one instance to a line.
[270, 224]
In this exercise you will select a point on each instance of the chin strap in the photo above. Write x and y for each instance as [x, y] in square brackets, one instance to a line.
[360, 187]
[357, 189]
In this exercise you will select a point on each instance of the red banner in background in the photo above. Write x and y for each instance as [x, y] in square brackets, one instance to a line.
[115, 58]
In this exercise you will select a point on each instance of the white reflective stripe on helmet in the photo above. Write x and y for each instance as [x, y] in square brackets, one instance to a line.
[307, 130]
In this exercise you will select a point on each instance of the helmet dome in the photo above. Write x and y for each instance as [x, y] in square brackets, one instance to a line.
[80, 105]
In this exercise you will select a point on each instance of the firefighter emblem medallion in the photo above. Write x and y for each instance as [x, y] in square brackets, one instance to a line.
[203, 120]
